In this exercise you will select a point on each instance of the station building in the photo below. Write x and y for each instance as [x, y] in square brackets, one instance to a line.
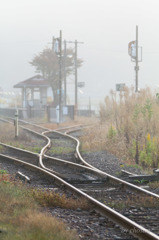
[34, 91]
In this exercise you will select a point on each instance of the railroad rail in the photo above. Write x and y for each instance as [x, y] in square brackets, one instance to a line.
[140, 232]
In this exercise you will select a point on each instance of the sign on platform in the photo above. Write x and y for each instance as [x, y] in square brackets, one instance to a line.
[120, 87]
[80, 84]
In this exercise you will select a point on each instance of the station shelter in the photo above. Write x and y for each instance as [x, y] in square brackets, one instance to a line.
[34, 91]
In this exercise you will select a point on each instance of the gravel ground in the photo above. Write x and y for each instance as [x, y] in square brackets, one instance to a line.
[90, 225]
[108, 163]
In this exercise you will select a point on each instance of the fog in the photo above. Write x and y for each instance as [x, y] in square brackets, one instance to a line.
[105, 27]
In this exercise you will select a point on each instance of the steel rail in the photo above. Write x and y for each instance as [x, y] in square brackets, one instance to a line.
[19, 149]
[110, 177]
[45, 148]
[44, 128]
[42, 153]
[41, 135]
[133, 228]
[75, 165]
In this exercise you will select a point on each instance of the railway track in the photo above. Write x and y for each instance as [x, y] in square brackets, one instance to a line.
[109, 189]
[83, 176]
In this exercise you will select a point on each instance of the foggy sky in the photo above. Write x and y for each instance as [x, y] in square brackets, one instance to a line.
[105, 27]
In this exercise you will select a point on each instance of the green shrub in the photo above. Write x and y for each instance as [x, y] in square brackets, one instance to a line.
[111, 132]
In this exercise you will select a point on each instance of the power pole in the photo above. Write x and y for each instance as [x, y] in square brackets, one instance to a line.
[137, 61]
[57, 48]
[53, 42]
[60, 77]
[76, 76]
[65, 83]
[76, 92]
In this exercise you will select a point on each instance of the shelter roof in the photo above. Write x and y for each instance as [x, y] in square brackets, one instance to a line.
[36, 81]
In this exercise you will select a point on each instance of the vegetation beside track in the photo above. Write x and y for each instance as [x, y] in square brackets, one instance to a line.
[129, 128]
[135, 201]
[24, 140]
[21, 216]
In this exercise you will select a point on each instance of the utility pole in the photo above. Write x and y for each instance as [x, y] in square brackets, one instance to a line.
[137, 61]
[57, 48]
[65, 83]
[53, 42]
[76, 76]
[60, 77]
[76, 92]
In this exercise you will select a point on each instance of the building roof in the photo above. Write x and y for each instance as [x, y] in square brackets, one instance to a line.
[36, 81]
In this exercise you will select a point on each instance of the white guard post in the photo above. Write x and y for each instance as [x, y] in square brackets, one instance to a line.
[16, 124]
[57, 114]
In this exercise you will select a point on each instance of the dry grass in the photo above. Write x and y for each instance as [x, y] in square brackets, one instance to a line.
[128, 128]
[135, 201]
[20, 216]
[49, 198]
[96, 138]
[24, 141]
[7, 132]
[153, 185]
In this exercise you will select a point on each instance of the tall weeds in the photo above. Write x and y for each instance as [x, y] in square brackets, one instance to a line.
[129, 127]
[135, 117]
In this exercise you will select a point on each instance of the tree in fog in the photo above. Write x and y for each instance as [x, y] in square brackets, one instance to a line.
[47, 63]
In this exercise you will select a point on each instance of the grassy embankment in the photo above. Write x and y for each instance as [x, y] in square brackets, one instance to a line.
[21, 216]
